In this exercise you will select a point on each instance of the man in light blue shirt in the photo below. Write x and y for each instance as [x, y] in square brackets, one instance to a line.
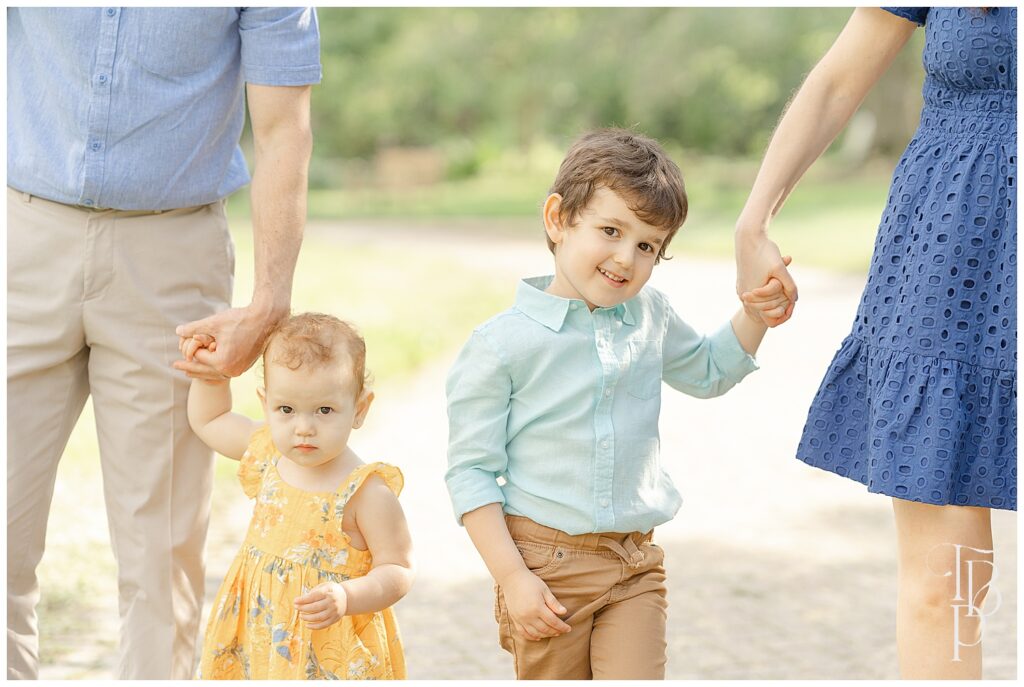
[122, 144]
[558, 398]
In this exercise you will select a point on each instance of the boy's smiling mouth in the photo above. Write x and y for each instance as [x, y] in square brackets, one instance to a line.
[612, 277]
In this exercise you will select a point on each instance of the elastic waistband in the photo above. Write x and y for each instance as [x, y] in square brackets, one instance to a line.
[956, 123]
[986, 101]
[525, 529]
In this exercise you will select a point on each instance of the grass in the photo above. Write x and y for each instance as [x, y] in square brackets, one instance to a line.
[829, 221]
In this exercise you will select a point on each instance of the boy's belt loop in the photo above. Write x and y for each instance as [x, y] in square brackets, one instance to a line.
[633, 556]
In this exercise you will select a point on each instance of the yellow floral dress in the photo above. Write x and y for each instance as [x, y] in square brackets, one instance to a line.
[294, 543]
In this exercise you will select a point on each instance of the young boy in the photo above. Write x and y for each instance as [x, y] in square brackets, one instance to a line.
[559, 397]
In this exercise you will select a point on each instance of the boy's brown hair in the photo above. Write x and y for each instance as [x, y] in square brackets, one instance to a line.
[633, 166]
[313, 338]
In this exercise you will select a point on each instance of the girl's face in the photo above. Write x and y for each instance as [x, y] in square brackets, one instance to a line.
[607, 256]
[312, 410]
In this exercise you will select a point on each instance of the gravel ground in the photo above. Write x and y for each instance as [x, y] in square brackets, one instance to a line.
[776, 570]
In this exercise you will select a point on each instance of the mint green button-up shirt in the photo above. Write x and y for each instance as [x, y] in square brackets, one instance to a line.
[553, 409]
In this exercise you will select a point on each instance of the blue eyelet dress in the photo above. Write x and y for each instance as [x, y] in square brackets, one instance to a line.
[920, 401]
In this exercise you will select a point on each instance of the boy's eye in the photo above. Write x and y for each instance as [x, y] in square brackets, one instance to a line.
[646, 247]
[611, 231]
[325, 410]
[286, 410]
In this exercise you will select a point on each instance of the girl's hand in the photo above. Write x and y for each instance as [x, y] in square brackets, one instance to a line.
[322, 605]
[188, 345]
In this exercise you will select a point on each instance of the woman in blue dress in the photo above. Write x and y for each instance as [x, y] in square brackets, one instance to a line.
[919, 402]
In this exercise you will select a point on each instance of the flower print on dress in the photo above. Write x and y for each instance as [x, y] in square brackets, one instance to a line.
[294, 543]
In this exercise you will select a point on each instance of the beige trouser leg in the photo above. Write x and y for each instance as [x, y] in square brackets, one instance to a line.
[93, 299]
[613, 587]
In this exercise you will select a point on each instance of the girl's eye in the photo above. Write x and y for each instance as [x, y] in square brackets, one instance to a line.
[325, 410]
[610, 231]
[286, 410]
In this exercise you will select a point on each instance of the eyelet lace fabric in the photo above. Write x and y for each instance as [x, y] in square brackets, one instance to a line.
[920, 401]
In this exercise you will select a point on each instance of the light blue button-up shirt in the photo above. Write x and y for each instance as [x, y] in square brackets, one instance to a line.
[561, 404]
[142, 108]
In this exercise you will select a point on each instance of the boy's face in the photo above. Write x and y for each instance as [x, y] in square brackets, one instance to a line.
[312, 410]
[607, 256]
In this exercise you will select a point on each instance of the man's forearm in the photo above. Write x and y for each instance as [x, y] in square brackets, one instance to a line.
[279, 189]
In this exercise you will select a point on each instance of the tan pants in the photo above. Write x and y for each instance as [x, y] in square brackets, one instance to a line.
[613, 587]
[93, 298]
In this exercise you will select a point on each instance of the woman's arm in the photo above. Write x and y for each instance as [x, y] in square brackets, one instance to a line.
[821, 108]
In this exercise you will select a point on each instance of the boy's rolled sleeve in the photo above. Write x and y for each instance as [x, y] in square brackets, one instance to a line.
[280, 46]
[479, 389]
[699, 365]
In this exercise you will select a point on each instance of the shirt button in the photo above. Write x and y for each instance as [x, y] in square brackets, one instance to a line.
[87, 201]
[110, 12]
[96, 145]
[604, 444]
[573, 306]
[604, 503]
[102, 78]
[607, 393]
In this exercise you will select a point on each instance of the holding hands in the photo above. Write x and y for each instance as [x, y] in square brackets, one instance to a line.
[532, 608]
[226, 344]
[763, 283]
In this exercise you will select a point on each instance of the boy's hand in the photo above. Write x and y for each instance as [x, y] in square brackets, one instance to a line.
[532, 608]
[768, 301]
[322, 605]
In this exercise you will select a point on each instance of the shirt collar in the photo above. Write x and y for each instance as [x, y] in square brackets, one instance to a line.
[551, 310]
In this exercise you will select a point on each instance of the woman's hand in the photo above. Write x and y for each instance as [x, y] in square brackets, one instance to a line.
[758, 260]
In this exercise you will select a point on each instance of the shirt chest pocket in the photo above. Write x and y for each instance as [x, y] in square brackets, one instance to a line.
[643, 378]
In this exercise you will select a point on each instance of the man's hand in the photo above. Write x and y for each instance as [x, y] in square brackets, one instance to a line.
[238, 335]
[532, 608]
[322, 605]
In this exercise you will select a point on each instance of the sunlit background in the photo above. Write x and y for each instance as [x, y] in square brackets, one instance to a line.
[436, 135]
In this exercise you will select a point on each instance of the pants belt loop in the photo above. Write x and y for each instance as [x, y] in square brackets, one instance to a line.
[27, 197]
[633, 556]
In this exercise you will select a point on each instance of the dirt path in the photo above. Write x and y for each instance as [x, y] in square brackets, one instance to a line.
[776, 570]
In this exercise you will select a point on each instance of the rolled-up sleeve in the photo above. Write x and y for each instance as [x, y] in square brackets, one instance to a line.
[701, 365]
[280, 46]
[479, 390]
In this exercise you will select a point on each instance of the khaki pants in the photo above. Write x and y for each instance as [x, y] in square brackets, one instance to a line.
[613, 587]
[93, 297]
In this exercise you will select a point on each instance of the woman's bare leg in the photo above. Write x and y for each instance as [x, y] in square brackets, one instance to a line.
[938, 629]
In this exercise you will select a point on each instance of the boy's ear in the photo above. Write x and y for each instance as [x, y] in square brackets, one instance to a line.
[362, 408]
[552, 220]
[262, 393]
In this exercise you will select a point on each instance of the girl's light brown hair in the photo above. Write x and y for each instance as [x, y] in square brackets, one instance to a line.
[633, 166]
[316, 339]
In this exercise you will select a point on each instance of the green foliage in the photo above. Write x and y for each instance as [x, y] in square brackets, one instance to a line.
[469, 80]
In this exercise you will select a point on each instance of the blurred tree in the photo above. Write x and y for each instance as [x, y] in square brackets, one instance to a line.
[707, 79]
